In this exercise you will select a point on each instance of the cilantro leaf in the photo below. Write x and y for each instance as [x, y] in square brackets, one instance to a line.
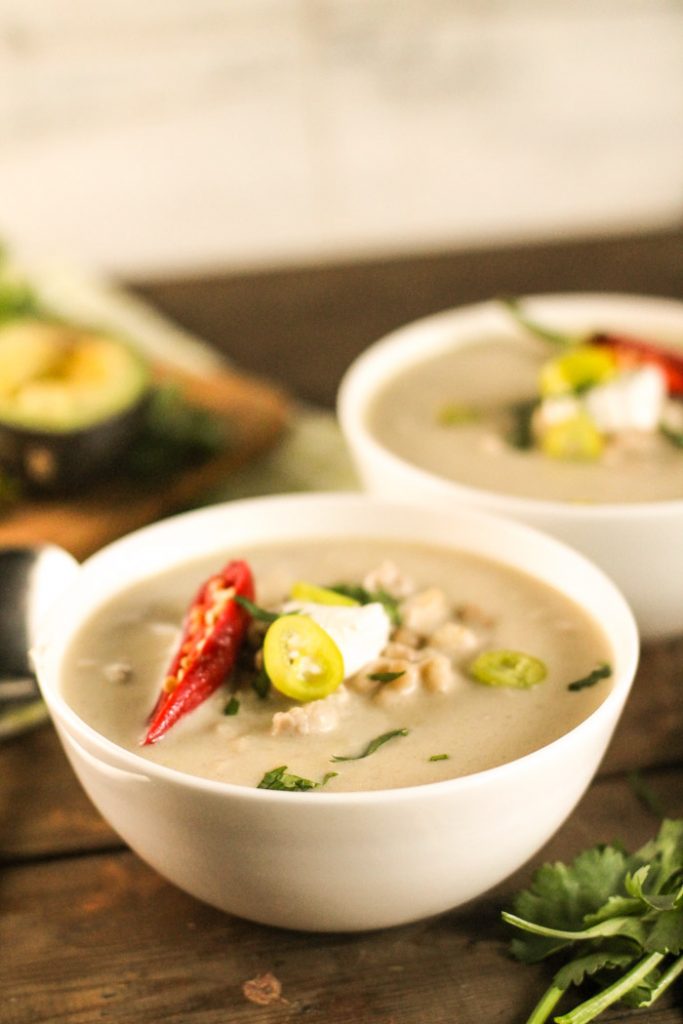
[386, 677]
[372, 746]
[538, 330]
[255, 610]
[280, 778]
[615, 918]
[601, 671]
[364, 596]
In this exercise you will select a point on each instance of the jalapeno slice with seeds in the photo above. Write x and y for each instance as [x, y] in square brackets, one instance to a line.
[508, 668]
[302, 660]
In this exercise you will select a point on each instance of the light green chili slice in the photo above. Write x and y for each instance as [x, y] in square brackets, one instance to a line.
[508, 668]
[454, 414]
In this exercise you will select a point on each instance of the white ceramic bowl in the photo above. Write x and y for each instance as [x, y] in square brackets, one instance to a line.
[335, 861]
[639, 545]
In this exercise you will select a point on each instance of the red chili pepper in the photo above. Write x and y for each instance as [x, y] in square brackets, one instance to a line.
[213, 631]
[640, 351]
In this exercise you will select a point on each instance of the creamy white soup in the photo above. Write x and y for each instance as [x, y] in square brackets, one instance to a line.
[415, 705]
[473, 415]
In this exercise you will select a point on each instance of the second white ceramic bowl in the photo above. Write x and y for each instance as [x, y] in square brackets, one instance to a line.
[639, 545]
[335, 861]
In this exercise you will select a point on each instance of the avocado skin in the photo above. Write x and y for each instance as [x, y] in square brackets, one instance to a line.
[59, 462]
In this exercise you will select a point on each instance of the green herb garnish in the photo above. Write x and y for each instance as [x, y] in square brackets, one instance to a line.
[373, 745]
[255, 610]
[17, 298]
[385, 677]
[674, 436]
[232, 707]
[520, 433]
[538, 330]
[175, 434]
[280, 778]
[364, 596]
[260, 684]
[613, 917]
[454, 414]
[440, 757]
[602, 671]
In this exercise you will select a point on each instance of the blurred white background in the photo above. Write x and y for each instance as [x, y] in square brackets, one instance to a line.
[164, 136]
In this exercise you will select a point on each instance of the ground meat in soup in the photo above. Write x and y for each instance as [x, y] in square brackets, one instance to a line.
[417, 689]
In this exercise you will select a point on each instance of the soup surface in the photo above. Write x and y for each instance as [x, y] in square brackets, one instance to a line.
[453, 607]
[490, 378]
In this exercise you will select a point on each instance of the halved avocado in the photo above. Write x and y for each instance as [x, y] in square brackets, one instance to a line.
[71, 401]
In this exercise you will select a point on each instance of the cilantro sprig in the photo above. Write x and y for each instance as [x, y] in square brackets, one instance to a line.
[280, 778]
[614, 917]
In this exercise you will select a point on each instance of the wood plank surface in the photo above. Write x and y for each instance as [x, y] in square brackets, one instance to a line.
[104, 938]
[305, 325]
[89, 934]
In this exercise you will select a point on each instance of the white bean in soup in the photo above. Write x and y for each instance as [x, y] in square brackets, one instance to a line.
[475, 415]
[415, 704]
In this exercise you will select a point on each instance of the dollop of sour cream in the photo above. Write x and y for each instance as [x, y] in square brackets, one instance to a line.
[633, 400]
[360, 632]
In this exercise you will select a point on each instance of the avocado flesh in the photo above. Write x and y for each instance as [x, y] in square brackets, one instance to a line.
[71, 403]
[61, 379]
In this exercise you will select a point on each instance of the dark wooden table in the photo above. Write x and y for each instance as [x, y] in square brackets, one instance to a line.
[88, 933]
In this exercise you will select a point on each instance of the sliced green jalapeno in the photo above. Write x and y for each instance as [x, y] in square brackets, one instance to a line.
[508, 668]
[301, 659]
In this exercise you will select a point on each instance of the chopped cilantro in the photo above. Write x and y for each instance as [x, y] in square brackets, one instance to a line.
[602, 671]
[454, 414]
[674, 436]
[440, 757]
[373, 745]
[613, 917]
[364, 596]
[538, 330]
[260, 684]
[255, 610]
[520, 433]
[280, 778]
[385, 677]
[232, 707]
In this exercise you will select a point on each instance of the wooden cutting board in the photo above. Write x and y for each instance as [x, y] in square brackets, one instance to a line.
[256, 414]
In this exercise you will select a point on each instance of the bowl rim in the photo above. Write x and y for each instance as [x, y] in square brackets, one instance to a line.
[109, 753]
[362, 379]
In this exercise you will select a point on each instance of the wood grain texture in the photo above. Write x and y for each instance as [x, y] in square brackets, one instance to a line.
[104, 938]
